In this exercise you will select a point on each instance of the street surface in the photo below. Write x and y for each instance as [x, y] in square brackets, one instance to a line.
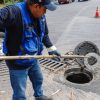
[60, 19]
[74, 23]
[69, 25]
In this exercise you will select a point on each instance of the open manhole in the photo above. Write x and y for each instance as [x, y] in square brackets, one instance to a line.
[78, 76]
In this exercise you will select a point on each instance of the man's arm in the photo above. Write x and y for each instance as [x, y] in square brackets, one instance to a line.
[52, 50]
[7, 16]
[46, 40]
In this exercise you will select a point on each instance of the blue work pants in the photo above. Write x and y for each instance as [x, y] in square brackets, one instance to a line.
[18, 80]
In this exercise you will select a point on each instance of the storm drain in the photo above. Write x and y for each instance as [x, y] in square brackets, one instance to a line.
[4, 77]
[47, 63]
[52, 65]
[4, 73]
[78, 76]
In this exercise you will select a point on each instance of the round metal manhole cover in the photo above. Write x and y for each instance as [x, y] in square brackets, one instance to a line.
[78, 76]
[89, 57]
[84, 48]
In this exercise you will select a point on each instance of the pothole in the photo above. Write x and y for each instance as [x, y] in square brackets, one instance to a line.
[78, 76]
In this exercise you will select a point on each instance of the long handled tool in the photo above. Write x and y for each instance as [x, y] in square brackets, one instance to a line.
[39, 56]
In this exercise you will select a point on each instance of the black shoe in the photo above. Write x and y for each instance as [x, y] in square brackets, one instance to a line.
[43, 98]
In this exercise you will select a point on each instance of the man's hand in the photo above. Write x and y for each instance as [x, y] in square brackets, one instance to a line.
[53, 51]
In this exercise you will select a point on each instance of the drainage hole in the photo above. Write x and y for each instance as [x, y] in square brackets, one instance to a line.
[77, 76]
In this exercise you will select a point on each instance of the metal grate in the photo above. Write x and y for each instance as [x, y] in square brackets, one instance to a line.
[4, 73]
[47, 63]
[52, 65]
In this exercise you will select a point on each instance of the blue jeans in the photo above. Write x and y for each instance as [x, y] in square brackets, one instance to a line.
[18, 80]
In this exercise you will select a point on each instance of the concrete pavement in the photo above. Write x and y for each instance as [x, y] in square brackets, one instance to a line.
[82, 27]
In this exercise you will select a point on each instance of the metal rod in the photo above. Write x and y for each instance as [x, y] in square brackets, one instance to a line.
[73, 56]
[39, 56]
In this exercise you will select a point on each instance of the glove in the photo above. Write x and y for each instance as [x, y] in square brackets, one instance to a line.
[53, 51]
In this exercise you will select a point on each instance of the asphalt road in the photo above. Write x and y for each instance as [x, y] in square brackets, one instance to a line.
[60, 19]
[76, 23]
[73, 23]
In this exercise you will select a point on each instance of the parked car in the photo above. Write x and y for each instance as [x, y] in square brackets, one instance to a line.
[65, 1]
[82, 0]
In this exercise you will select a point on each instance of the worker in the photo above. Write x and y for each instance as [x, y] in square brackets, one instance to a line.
[26, 33]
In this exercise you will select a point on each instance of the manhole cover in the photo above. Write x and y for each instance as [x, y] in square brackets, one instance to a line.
[78, 76]
[92, 66]
[84, 48]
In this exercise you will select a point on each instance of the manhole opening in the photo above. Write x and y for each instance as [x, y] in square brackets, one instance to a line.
[78, 76]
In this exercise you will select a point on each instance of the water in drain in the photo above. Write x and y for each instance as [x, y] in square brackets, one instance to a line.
[77, 76]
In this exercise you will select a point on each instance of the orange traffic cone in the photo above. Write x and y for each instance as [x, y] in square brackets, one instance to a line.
[97, 13]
